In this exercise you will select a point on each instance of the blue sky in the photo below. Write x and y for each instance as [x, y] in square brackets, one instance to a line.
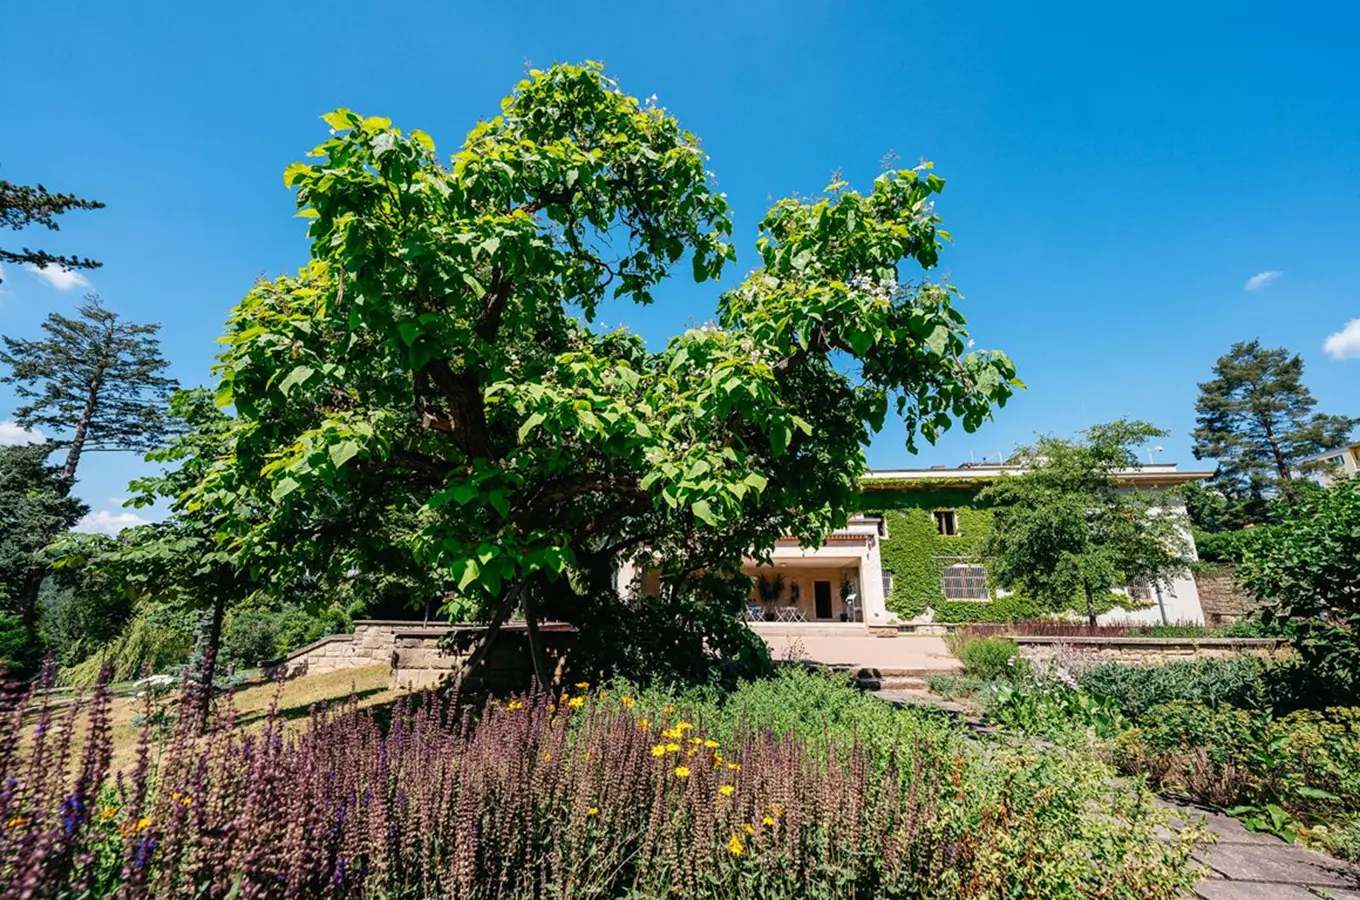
[1114, 180]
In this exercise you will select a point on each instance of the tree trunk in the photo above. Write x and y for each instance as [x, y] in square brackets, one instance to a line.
[540, 661]
[209, 668]
[1281, 464]
[1090, 605]
[26, 598]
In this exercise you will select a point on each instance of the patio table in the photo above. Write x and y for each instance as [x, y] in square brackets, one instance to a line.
[789, 614]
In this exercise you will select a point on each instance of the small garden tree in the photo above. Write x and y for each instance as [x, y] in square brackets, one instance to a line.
[442, 342]
[1066, 530]
[1308, 570]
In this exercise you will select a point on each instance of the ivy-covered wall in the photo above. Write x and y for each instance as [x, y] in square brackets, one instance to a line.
[916, 554]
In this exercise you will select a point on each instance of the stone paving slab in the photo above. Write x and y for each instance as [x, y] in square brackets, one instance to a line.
[1280, 863]
[1251, 890]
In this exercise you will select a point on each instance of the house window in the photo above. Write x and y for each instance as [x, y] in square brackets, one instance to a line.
[946, 522]
[887, 584]
[965, 582]
[1139, 591]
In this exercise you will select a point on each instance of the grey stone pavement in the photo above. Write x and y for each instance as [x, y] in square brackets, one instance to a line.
[1246, 866]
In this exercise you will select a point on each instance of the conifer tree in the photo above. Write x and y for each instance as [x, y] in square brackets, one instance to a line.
[24, 205]
[1256, 418]
[95, 382]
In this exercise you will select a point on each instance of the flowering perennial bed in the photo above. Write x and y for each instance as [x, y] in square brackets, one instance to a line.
[582, 795]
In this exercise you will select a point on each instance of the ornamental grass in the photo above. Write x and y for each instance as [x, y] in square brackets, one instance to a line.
[572, 796]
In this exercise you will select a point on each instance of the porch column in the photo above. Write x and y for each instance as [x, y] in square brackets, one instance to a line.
[871, 586]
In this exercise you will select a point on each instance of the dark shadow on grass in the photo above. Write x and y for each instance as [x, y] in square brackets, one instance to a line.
[303, 710]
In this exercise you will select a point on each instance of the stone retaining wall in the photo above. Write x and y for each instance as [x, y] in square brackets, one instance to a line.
[371, 644]
[1147, 651]
[412, 650]
[1220, 596]
[418, 661]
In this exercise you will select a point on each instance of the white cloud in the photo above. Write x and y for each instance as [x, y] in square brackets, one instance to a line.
[12, 434]
[1261, 279]
[59, 278]
[105, 522]
[1345, 344]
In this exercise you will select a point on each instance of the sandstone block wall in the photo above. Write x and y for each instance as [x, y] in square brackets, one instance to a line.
[1222, 600]
[1147, 651]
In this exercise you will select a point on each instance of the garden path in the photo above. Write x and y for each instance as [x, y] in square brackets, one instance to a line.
[1241, 865]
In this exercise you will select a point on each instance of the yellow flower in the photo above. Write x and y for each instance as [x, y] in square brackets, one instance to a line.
[576, 701]
[547, 754]
[644, 724]
[514, 705]
[774, 808]
[682, 771]
[671, 733]
[659, 750]
[186, 800]
[593, 811]
[672, 748]
[727, 790]
[627, 700]
[17, 821]
[734, 766]
[583, 684]
[108, 812]
[683, 726]
[143, 823]
[552, 707]
[749, 829]
[734, 846]
[767, 821]
[669, 709]
[711, 744]
[695, 740]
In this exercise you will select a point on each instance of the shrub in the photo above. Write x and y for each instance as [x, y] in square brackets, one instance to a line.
[987, 658]
[1305, 765]
[1138, 688]
[581, 797]
[249, 638]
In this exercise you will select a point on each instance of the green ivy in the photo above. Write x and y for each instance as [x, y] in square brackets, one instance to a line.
[915, 553]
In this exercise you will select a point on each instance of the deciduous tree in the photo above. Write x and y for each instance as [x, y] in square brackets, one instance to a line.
[1066, 529]
[442, 341]
[33, 506]
[1256, 418]
[1307, 567]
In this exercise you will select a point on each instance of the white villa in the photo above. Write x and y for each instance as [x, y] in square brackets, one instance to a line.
[913, 561]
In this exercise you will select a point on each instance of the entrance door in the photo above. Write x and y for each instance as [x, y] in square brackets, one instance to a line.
[821, 598]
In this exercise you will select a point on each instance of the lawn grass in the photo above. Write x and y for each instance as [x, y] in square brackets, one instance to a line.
[295, 698]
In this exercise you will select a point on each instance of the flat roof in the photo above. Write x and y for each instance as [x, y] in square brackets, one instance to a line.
[1151, 474]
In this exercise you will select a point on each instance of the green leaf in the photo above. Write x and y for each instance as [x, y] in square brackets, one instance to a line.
[340, 119]
[704, 513]
[295, 378]
[756, 480]
[529, 425]
[283, 487]
[343, 452]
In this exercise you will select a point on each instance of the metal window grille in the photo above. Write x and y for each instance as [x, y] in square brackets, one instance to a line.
[1139, 591]
[965, 583]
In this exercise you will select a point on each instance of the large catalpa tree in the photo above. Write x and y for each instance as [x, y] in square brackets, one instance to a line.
[442, 340]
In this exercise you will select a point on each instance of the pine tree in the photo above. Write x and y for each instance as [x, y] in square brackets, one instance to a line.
[1256, 418]
[95, 381]
[23, 205]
